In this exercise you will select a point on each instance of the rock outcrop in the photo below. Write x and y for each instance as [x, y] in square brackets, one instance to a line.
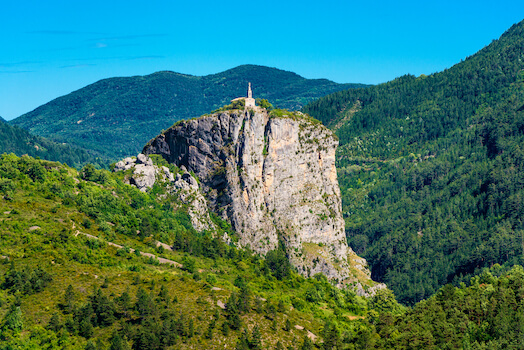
[144, 174]
[274, 178]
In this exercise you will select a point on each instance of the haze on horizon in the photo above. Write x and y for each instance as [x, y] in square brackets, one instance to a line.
[52, 48]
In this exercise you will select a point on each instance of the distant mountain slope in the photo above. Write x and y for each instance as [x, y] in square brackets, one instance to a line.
[431, 169]
[117, 116]
[19, 141]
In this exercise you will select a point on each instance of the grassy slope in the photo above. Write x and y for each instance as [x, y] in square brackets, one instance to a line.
[50, 201]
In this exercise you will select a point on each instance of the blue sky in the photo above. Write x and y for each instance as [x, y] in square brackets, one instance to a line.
[50, 48]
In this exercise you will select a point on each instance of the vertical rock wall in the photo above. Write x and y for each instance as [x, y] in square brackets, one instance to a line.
[274, 178]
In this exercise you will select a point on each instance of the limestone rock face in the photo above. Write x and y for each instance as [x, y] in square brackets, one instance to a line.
[274, 179]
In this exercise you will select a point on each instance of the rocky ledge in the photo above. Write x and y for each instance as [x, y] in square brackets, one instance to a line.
[273, 177]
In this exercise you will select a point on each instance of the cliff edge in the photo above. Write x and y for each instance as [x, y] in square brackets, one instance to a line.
[273, 176]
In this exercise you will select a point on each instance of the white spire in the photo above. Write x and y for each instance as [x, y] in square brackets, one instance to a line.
[249, 93]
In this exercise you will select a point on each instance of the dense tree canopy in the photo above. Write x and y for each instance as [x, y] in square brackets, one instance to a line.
[431, 169]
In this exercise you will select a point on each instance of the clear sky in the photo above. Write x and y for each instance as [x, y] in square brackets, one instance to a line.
[49, 48]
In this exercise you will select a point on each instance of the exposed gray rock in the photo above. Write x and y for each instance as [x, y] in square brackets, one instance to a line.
[189, 193]
[273, 178]
[168, 175]
[125, 164]
[146, 174]
[143, 159]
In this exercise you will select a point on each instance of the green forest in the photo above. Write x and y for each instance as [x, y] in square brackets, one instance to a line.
[431, 170]
[16, 140]
[81, 268]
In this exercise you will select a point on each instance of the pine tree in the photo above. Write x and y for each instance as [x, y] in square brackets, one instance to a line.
[256, 339]
[225, 329]
[287, 327]
[118, 343]
[69, 300]
[307, 344]
[90, 345]
[243, 341]
[274, 324]
[191, 328]
[54, 323]
[13, 320]
[233, 314]
[85, 329]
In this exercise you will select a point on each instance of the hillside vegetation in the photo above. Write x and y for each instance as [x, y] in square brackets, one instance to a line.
[117, 116]
[19, 141]
[81, 268]
[74, 273]
[431, 169]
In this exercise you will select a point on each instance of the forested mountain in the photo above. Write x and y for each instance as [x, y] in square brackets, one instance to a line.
[19, 141]
[431, 169]
[117, 116]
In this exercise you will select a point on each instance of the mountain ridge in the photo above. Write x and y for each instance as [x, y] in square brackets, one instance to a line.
[116, 116]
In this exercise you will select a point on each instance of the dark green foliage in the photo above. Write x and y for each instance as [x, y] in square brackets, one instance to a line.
[119, 343]
[189, 264]
[278, 263]
[15, 140]
[90, 173]
[90, 345]
[225, 329]
[247, 342]
[103, 309]
[486, 315]
[238, 104]
[6, 186]
[232, 312]
[307, 344]
[54, 323]
[256, 339]
[287, 326]
[85, 328]
[431, 169]
[331, 335]
[117, 116]
[243, 341]
[13, 320]
[162, 307]
[26, 280]
[263, 103]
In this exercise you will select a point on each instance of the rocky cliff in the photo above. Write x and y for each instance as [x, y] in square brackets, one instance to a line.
[273, 177]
